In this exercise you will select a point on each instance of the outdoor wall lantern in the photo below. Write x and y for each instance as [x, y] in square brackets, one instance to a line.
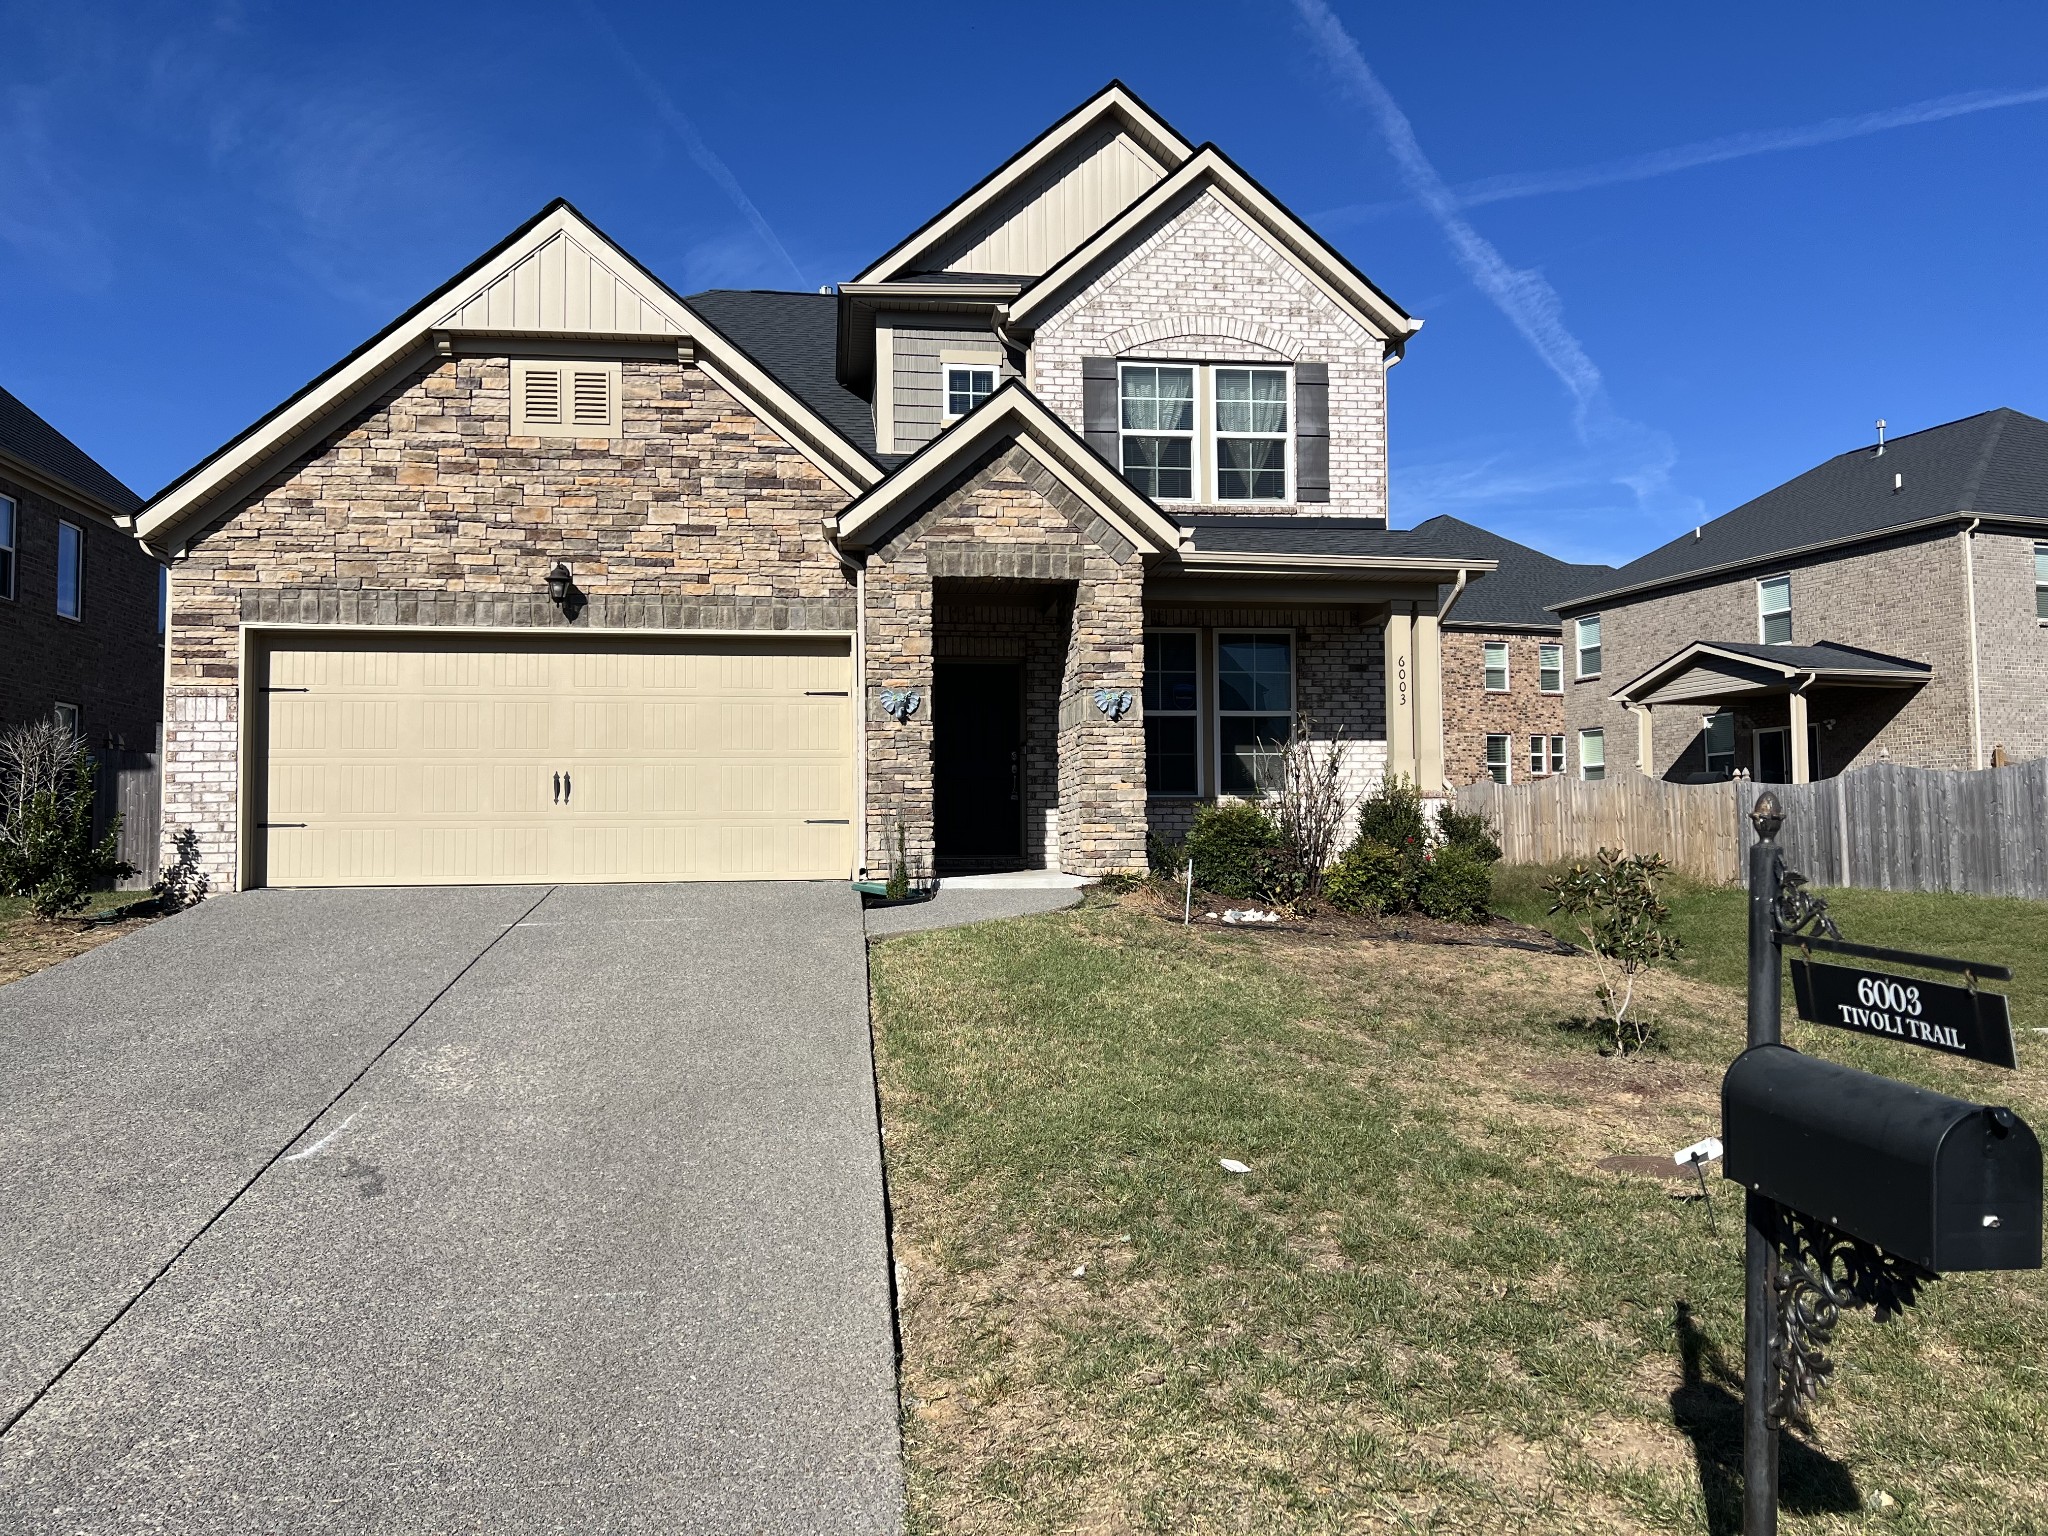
[560, 583]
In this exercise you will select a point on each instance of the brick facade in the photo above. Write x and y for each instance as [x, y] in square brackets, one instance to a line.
[428, 510]
[2012, 647]
[1206, 287]
[1471, 713]
[110, 660]
[1903, 597]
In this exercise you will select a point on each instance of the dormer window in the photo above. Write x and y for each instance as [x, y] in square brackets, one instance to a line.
[967, 387]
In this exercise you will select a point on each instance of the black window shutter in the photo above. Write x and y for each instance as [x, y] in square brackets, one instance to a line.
[1311, 431]
[1099, 406]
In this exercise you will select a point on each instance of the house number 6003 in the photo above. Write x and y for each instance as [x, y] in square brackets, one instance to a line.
[1874, 992]
[1401, 679]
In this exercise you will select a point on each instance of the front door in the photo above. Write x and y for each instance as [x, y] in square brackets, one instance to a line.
[978, 763]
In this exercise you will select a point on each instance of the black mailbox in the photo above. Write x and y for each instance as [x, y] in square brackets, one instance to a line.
[1940, 1182]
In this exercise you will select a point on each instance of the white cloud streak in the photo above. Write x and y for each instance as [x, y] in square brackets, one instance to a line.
[1685, 157]
[679, 123]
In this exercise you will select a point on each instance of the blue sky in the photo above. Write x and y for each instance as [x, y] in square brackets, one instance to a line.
[1664, 264]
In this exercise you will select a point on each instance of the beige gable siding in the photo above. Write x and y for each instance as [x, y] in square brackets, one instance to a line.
[1206, 286]
[916, 407]
[1073, 197]
[561, 286]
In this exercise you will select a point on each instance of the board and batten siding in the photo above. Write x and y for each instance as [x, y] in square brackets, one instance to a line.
[917, 411]
[562, 286]
[1072, 197]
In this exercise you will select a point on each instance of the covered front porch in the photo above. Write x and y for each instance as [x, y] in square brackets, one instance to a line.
[1785, 714]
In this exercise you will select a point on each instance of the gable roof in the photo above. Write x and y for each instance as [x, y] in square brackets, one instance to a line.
[33, 444]
[1993, 465]
[1116, 106]
[558, 277]
[1210, 170]
[1734, 667]
[1014, 414]
[793, 336]
[1516, 595]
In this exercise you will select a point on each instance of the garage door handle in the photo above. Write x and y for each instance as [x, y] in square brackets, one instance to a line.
[558, 789]
[568, 788]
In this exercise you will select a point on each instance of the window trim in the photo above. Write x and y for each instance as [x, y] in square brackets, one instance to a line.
[1195, 714]
[1765, 615]
[78, 577]
[1537, 755]
[1507, 757]
[1579, 646]
[1707, 752]
[1559, 763]
[11, 548]
[1284, 437]
[2041, 584]
[979, 362]
[1554, 648]
[1601, 733]
[1486, 649]
[1193, 433]
[1215, 697]
[57, 709]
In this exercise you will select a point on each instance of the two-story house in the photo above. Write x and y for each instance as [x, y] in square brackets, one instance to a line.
[1891, 603]
[80, 616]
[1503, 659]
[1044, 528]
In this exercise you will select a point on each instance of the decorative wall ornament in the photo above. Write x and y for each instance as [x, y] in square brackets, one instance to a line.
[901, 703]
[1113, 702]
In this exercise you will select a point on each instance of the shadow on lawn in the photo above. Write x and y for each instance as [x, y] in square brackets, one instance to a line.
[1707, 1408]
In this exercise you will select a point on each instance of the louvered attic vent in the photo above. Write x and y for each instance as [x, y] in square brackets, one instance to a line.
[565, 399]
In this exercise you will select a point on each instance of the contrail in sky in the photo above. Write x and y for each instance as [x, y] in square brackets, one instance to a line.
[1734, 146]
[707, 162]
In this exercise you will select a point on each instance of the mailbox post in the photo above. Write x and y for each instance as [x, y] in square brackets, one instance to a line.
[1857, 1189]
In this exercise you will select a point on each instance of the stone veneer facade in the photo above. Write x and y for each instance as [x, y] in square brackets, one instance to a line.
[1471, 714]
[1009, 520]
[426, 510]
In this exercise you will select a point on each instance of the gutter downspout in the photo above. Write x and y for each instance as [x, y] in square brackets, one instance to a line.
[1969, 538]
[1457, 591]
[859, 570]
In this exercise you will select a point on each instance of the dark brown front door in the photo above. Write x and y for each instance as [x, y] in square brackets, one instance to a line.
[978, 762]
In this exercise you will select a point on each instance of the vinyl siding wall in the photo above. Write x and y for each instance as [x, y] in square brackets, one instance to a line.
[918, 408]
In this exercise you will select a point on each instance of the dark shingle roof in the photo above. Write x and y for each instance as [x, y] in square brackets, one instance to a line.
[1300, 535]
[1513, 596]
[1824, 656]
[795, 336]
[34, 441]
[1991, 465]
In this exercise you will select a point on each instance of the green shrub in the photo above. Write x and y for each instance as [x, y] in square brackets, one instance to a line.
[1165, 856]
[1468, 830]
[1455, 885]
[1370, 878]
[48, 853]
[1232, 847]
[1616, 906]
[1392, 815]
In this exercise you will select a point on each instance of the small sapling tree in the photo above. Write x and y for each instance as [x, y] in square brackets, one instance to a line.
[1614, 904]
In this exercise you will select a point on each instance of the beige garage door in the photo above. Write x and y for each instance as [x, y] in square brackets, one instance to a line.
[431, 761]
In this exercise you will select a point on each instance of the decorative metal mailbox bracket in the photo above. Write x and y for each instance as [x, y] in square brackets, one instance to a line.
[1821, 1273]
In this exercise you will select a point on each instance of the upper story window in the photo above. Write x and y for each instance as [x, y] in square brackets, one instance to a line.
[1158, 419]
[1588, 633]
[566, 399]
[967, 385]
[70, 570]
[1550, 668]
[6, 546]
[2041, 582]
[1172, 718]
[1251, 434]
[1496, 666]
[1774, 610]
[1204, 433]
[1254, 709]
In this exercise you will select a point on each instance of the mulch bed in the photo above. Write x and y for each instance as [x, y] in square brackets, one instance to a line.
[1329, 923]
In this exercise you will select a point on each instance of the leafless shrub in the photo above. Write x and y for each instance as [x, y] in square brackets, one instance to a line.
[1308, 803]
[34, 758]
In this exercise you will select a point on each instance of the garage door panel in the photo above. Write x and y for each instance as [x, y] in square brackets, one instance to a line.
[407, 760]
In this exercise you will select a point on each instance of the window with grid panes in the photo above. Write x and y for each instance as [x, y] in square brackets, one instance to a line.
[1497, 748]
[1251, 434]
[1157, 412]
[1172, 720]
[1496, 652]
[1254, 709]
[1550, 668]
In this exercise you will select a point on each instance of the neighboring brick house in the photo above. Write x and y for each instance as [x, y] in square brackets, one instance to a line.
[1041, 531]
[1891, 603]
[78, 595]
[1503, 660]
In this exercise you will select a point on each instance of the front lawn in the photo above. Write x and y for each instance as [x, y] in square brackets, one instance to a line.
[1426, 1307]
[28, 944]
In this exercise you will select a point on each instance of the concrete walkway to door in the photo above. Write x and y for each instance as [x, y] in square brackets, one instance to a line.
[449, 1210]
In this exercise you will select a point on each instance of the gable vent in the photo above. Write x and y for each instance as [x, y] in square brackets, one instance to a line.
[591, 399]
[565, 399]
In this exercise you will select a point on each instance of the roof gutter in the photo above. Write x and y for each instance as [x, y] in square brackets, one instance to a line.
[1457, 591]
[1228, 562]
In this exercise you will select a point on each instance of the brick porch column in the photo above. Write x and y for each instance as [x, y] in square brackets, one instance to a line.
[1102, 761]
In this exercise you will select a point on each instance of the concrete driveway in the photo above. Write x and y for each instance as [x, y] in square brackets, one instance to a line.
[449, 1210]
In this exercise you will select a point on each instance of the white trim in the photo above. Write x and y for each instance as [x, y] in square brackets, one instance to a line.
[1558, 647]
[950, 358]
[1579, 646]
[1220, 714]
[1191, 435]
[1592, 730]
[1970, 610]
[1285, 437]
[1707, 752]
[1507, 675]
[1507, 758]
[1765, 615]
[10, 575]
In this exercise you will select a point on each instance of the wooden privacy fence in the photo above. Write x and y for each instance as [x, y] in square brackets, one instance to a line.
[1550, 820]
[1884, 826]
[129, 785]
